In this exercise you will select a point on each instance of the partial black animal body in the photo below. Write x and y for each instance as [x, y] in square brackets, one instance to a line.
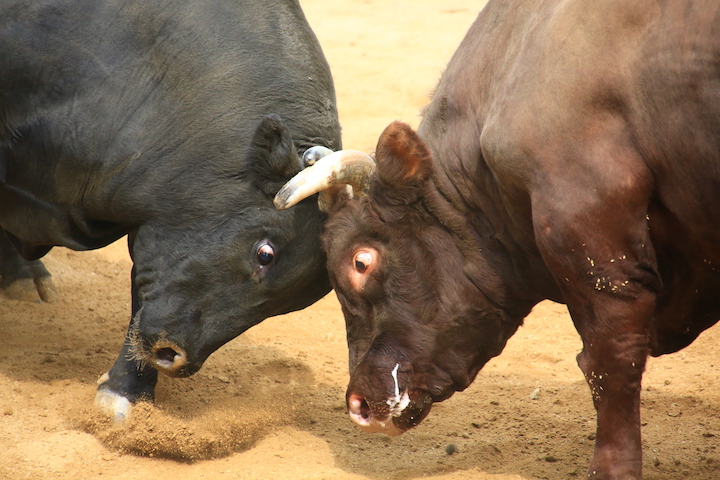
[175, 122]
[22, 279]
[571, 152]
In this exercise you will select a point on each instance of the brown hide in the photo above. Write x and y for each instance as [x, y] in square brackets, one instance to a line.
[575, 156]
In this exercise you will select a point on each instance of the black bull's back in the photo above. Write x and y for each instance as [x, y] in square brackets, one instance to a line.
[176, 122]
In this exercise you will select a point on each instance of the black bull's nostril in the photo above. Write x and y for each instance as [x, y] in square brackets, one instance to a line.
[166, 356]
[168, 359]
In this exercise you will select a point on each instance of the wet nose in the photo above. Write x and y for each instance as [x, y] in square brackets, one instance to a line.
[360, 413]
[168, 358]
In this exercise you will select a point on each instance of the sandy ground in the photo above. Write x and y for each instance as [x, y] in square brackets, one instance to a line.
[270, 405]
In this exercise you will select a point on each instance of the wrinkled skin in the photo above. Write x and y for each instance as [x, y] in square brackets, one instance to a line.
[175, 123]
[544, 168]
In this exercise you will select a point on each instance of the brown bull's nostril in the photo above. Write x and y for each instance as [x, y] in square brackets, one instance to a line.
[361, 413]
[359, 409]
[365, 410]
[168, 359]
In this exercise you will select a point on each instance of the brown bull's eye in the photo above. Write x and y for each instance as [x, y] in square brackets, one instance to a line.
[363, 260]
[265, 255]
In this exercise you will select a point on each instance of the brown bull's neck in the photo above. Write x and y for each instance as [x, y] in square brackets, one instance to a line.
[508, 273]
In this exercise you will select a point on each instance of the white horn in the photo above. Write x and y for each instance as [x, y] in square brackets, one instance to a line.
[344, 167]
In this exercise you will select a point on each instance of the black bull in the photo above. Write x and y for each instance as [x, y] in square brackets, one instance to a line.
[174, 122]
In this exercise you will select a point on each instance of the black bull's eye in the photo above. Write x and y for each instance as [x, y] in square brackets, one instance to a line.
[265, 255]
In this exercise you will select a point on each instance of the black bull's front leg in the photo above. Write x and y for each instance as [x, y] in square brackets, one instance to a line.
[129, 380]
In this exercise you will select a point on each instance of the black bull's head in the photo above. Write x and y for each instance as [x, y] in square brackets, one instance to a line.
[200, 283]
[417, 330]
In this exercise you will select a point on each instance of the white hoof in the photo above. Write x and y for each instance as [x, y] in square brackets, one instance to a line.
[115, 406]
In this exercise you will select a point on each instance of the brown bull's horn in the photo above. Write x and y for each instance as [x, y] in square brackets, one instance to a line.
[344, 167]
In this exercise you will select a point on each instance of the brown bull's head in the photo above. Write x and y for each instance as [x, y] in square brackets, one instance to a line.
[419, 326]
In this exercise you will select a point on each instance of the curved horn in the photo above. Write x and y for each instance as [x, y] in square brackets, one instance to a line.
[348, 167]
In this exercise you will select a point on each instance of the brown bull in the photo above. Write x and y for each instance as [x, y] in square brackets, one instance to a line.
[570, 152]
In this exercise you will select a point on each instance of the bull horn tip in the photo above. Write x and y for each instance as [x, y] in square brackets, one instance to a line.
[281, 201]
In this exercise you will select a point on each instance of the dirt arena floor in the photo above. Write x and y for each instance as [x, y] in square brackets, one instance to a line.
[270, 405]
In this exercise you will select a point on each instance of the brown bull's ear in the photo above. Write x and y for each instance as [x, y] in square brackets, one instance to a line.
[402, 157]
[273, 155]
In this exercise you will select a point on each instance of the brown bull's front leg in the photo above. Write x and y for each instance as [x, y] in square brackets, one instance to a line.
[613, 368]
[611, 299]
[615, 324]
[591, 224]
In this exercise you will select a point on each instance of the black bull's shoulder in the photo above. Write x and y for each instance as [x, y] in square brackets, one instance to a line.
[175, 122]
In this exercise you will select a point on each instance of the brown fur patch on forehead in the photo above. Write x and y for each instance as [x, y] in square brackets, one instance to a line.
[350, 220]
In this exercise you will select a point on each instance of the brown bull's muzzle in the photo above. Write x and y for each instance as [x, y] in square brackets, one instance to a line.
[344, 167]
[371, 420]
[391, 414]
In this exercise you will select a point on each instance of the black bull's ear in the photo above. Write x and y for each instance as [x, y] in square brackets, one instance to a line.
[273, 154]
